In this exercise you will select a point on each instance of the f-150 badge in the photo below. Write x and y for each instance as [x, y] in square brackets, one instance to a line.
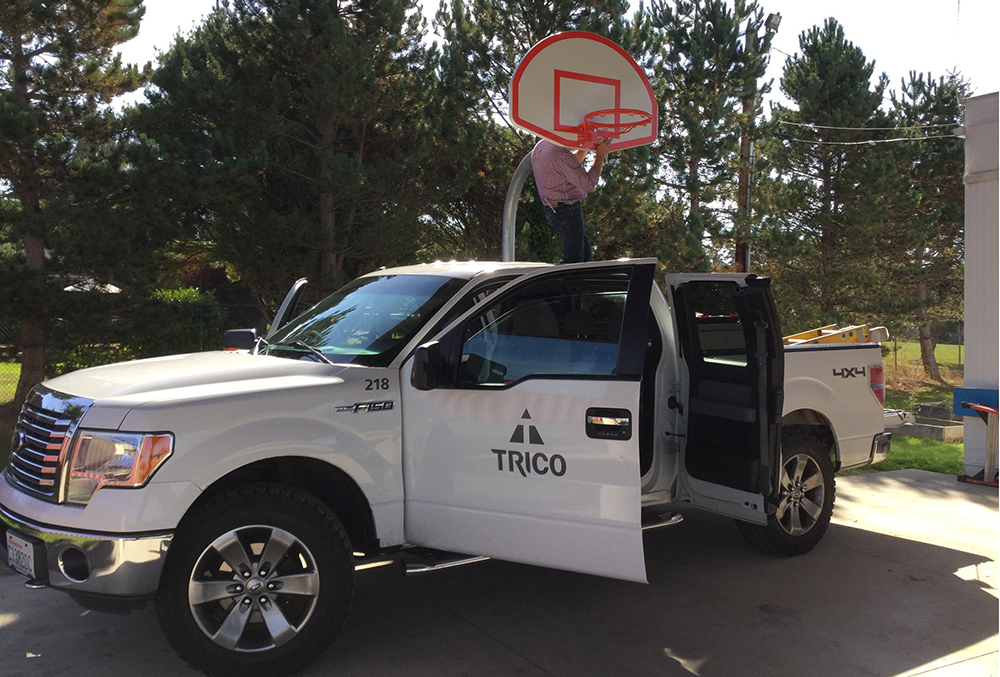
[528, 462]
[366, 406]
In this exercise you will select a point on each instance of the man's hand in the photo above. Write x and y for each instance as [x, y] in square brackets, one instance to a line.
[602, 150]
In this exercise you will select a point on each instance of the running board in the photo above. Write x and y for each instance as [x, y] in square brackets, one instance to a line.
[423, 561]
[430, 560]
[662, 520]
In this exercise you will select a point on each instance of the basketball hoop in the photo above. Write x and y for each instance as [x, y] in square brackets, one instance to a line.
[610, 123]
[577, 88]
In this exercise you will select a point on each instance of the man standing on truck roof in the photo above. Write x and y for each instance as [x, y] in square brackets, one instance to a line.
[562, 183]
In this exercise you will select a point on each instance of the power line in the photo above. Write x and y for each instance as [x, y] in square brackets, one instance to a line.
[870, 142]
[866, 129]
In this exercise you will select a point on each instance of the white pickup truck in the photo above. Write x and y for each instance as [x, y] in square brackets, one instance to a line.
[526, 412]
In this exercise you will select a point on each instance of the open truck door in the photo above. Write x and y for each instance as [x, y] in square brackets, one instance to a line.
[520, 435]
[732, 374]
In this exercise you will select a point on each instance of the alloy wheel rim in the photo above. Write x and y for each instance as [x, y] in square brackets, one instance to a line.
[254, 588]
[801, 495]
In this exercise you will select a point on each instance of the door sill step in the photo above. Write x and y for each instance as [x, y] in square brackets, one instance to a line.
[664, 519]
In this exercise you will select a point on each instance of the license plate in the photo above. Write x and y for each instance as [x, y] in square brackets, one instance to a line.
[20, 554]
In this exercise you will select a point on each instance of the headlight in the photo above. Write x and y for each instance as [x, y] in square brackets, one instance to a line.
[111, 459]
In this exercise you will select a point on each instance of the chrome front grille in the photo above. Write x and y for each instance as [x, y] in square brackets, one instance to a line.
[41, 440]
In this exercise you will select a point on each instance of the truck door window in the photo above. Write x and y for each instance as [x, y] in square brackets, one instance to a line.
[477, 295]
[565, 327]
[717, 323]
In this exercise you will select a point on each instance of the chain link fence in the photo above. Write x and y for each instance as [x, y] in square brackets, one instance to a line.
[10, 361]
[248, 316]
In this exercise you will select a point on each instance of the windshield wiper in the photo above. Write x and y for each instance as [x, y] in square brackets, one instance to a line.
[302, 344]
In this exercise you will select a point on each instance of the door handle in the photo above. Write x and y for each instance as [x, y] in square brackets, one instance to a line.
[608, 420]
[609, 424]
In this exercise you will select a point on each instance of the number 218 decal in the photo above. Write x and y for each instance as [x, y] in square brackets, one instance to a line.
[376, 384]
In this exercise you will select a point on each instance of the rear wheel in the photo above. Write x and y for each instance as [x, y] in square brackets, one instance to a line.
[259, 578]
[805, 499]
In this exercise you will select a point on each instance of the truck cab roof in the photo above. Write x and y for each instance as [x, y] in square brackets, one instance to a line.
[457, 269]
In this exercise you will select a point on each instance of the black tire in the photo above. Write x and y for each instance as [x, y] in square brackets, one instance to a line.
[257, 626]
[805, 499]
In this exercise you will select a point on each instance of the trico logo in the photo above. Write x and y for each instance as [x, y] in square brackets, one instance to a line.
[366, 406]
[529, 462]
[849, 372]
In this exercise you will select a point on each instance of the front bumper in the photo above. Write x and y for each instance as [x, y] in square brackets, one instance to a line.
[108, 565]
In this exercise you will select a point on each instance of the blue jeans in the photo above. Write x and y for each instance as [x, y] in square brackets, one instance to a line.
[568, 220]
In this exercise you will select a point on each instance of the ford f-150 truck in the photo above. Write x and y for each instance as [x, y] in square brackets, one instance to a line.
[525, 412]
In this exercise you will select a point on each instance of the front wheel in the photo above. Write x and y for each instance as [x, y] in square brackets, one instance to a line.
[805, 499]
[259, 578]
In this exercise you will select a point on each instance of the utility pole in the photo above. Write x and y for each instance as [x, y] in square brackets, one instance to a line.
[744, 195]
[743, 187]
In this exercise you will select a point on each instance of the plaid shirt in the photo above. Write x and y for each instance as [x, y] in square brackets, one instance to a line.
[559, 175]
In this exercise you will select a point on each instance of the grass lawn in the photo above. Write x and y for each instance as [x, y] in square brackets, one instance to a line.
[7, 420]
[9, 373]
[909, 351]
[905, 381]
[896, 398]
[921, 454]
[907, 385]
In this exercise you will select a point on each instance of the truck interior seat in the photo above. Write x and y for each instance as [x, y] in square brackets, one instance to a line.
[535, 318]
[579, 324]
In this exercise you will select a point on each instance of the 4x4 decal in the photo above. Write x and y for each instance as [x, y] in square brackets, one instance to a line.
[528, 462]
[849, 372]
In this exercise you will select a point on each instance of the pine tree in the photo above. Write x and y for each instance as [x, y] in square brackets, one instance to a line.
[706, 82]
[825, 209]
[925, 251]
[58, 75]
[301, 137]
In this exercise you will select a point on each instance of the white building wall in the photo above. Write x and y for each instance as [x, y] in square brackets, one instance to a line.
[982, 261]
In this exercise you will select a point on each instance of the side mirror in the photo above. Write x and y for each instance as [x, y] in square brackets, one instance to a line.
[428, 367]
[239, 339]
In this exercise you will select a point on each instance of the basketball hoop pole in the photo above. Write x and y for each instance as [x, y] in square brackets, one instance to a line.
[510, 207]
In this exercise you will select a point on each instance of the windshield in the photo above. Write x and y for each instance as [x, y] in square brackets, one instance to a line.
[367, 322]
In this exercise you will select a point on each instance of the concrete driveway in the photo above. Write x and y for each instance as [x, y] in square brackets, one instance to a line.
[905, 583]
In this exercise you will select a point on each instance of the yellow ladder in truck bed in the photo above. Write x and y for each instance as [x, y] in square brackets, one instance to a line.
[832, 333]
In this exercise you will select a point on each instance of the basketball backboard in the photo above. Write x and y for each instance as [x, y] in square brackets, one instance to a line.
[571, 75]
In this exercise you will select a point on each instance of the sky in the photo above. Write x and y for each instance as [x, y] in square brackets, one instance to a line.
[900, 35]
